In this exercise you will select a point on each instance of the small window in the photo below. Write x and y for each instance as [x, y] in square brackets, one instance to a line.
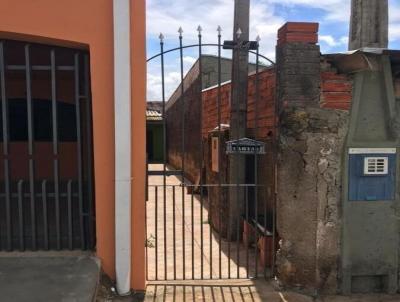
[376, 166]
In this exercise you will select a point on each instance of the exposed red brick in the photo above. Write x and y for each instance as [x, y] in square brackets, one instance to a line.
[298, 37]
[305, 27]
[337, 105]
[265, 106]
[336, 86]
[331, 75]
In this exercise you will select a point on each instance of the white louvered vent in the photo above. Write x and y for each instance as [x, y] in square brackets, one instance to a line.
[376, 166]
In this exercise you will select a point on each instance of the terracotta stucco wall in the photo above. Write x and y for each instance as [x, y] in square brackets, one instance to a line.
[89, 24]
[138, 42]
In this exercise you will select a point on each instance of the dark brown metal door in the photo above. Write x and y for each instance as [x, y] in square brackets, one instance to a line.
[46, 182]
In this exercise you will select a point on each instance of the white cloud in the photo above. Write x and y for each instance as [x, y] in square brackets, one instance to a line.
[189, 60]
[328, 39]
[394, 32]
[331, 41]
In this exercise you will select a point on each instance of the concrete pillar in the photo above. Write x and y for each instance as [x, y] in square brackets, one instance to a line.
[308, 166]
[369, 24]
[238, 122]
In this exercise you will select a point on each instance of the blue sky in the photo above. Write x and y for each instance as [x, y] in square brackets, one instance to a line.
[266, 17]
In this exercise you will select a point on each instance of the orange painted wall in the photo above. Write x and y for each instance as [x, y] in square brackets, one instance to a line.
[138, 46]
[89, 24]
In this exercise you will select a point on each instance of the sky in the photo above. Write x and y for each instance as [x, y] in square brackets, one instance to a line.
[266, 17]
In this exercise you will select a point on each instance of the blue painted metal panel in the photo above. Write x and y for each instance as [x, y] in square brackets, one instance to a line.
[371, 187]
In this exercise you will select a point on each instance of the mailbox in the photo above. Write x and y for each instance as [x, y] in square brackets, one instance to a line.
[372, 174]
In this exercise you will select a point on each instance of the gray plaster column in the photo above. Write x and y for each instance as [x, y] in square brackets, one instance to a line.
[369, 24]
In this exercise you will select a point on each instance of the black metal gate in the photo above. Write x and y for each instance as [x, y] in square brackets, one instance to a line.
[46, 182]
[192, 232]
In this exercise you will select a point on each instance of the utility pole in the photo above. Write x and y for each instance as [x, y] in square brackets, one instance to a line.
[369, 24]
[238, 122]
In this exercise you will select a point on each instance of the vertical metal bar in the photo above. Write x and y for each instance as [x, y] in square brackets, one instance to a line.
[274, 160]
[147, 237]
[30, 144]
[89, 155]
[238, 227]
[4, 113]
[274, 217]
[192, 219]
[156, 228]
[183, 238]
[21, 215]
[248, 235]
[55, 147]
[219, 155]
[256, 101]
[79, 150]
[69, 204]
[229, 239]
[45, 219]
[173, 229]
[165, 231]
[201, 162]
[183, 150]
[164, 150]
[256, 217]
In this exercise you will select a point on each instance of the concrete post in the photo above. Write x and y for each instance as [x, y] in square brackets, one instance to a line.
[369, 24]
[238, 121]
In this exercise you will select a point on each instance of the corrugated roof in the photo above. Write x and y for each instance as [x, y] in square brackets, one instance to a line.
[153, 115]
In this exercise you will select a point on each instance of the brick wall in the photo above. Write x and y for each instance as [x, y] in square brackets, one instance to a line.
[336, 88]
[192, 131]
[266, 129]
[299, 60]
[266, 106]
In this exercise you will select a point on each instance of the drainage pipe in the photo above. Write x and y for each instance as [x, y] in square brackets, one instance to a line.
[123, 175]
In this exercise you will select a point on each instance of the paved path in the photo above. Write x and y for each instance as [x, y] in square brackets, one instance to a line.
[46, 278]
[244, 291]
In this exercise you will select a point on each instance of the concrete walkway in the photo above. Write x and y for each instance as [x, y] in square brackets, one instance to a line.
[48, 278]
[244, 291]
[181, 244]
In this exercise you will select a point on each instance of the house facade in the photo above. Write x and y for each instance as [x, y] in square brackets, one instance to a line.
[73, 131]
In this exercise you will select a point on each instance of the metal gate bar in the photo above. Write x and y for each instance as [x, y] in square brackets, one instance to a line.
[76, 222]
[5, 147]
[243, 267]
[189, 243]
